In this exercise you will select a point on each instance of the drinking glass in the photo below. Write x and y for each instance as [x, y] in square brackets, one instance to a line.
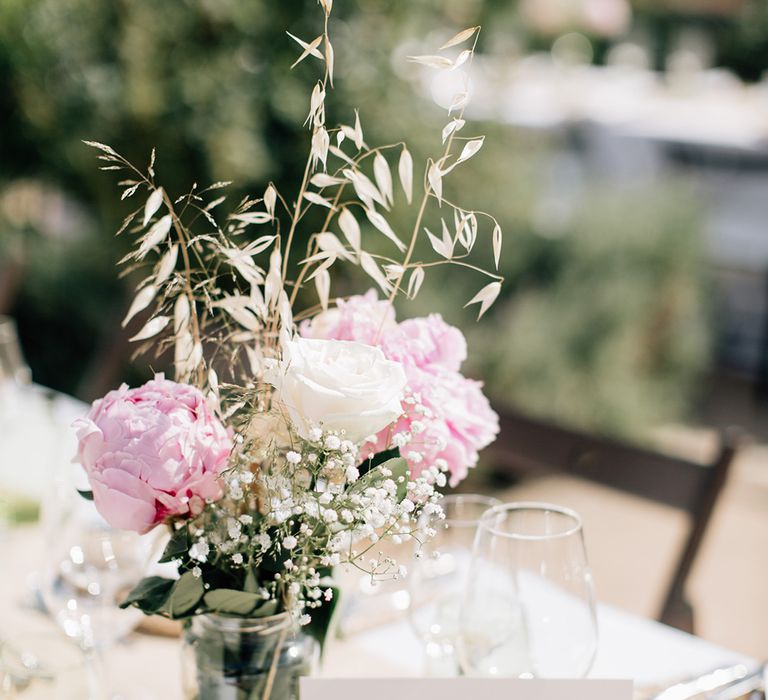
[88, 570]
[12, 365]
[528, 609]
[436, 579]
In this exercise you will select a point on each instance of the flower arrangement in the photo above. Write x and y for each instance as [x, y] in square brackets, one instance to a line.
[296, 434]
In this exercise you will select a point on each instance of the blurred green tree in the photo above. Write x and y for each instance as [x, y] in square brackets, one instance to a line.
[207, 83]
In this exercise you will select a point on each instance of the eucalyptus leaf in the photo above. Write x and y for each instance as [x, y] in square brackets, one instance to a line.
[185, 596]
[232, 602]
[150, 594]
[251, 584]
[397, 465]
[177, 546]
[267, 609]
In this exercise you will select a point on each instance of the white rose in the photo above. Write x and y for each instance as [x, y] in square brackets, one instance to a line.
[339, 385]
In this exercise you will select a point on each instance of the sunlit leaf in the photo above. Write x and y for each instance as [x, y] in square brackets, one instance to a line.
[470, 148]
[394, 272]
[485, 297]
[317, 199]
[309, 48]
[329, 59]
[432, 61]
[151, 328]
[372, 269]
[452, 127]
[405, 171]
[459, 38]
[350, 228]
[320, 144]
[329, 243]
[435, 179]
[153, 204]
[382, 225]
[252, 217]
[442, 247]
[358, 135]
[215, 203]
[140, 302]
[101, 147]
[323, 286]
[181, 314]
[325, 180]
[167, 264]
[459, 101]
[496, 245]
[316, 105]
[340, 154]
[364, 188]
[270, 198]
[461, 59]
[383, 177]
[156, 235]
[415, 281]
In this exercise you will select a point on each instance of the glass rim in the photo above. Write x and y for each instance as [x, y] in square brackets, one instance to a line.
[576, 526]
[489, 501]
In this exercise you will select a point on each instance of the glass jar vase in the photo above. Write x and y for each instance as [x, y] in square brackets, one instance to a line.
[232, 658]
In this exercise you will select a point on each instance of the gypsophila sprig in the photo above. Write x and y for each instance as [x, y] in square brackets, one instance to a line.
[333, 425]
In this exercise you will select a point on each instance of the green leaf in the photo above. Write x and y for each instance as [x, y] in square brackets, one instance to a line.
[268, 608]
[251, 584]
[378, 459]
[185, 596]
[232, 602]
[397, 465]
[150, 594]
[177, 546]
[87, 495]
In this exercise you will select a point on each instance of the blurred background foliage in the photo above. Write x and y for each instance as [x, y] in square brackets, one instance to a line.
[603, 321]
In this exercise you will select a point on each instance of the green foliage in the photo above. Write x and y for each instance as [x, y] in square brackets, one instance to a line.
[602, 323]
[228, 601]
[397, 471]
[150, 595]
[611, 333]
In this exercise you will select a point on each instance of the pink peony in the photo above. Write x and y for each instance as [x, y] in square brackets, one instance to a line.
[447, 417]
[362, 318]
[152, 453]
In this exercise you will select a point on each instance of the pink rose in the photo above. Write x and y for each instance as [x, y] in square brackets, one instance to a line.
[152, 453]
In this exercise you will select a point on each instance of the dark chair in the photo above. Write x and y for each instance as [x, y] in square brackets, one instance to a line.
[532, 446]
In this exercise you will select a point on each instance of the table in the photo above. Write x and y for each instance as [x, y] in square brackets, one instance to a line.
[629, 646]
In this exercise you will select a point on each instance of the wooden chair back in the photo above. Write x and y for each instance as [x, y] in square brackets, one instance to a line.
[527, 445]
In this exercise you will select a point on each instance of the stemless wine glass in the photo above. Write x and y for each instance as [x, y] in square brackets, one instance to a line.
[436, 580]
[528, 609]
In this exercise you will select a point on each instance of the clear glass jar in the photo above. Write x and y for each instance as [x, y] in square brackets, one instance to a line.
[232, 658]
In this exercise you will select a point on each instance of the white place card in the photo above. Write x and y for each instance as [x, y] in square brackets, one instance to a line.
[462, 689]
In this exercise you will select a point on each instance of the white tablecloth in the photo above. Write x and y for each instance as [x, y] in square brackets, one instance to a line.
[629, 647]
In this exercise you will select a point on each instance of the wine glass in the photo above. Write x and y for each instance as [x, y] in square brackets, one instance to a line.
[528, 608]
[436, 581]
[88, 569]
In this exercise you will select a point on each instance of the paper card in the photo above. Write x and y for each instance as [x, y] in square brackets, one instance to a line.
[462, 689]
